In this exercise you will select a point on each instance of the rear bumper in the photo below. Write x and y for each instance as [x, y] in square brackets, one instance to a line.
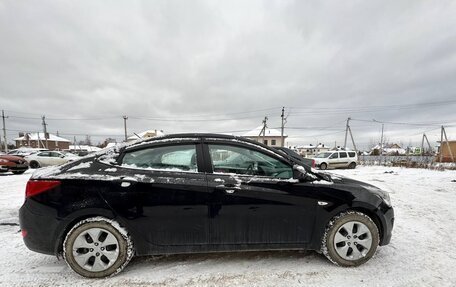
[38, 227]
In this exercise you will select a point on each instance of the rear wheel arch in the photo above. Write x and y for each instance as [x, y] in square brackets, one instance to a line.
[68, 224]
[88, 247]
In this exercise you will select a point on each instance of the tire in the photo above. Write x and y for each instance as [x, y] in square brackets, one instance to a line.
[346, 248]
[90, 257]
[18, 171]
[323, 166]
[352, 165]
[34, 164]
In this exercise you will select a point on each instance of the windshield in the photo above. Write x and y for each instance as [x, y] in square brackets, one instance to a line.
[324, 155]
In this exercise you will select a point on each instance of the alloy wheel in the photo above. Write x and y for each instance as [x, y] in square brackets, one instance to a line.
[95, 249]
[353, 240]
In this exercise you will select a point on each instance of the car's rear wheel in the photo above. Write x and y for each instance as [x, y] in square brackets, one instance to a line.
[323, 166]
[350, 239]
[34, 164]
[97, 247]
[352, 165]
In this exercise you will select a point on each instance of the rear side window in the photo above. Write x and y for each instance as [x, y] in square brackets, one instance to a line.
[177, 157]
[351, 154]
[343, 155]
[240, 160]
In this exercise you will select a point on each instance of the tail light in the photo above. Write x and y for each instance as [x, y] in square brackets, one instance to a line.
[313, 163]
[35, 187]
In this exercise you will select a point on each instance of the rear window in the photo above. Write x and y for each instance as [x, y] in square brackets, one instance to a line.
[351, 154]
[343, 155]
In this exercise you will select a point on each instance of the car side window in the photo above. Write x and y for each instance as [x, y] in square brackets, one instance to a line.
[240, 160]
[46, 153]
[175, 157]
[343, 154]
[351, 154]
[334, 155]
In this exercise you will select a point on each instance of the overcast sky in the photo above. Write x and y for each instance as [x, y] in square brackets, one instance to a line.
[185, 66]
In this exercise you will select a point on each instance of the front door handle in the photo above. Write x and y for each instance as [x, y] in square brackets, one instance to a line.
[127, 181]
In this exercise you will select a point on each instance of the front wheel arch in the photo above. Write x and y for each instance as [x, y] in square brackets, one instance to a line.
[333, 253]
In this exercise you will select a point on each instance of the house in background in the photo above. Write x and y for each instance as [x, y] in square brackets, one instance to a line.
[145, 135]
[39, 140]
[272, 137]
[445, 150]
[311, 150]
[388, 149]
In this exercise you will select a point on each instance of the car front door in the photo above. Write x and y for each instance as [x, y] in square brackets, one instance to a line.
[44, 158]
[333, 160]
[254, 200]
[162, 194]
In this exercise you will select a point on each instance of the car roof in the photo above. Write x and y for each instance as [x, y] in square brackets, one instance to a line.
[201, 135]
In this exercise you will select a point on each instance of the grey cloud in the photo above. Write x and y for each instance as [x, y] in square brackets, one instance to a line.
[178, 59]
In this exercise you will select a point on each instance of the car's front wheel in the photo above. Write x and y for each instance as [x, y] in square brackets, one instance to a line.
[323, 166]
[350, 239]
[97, 247]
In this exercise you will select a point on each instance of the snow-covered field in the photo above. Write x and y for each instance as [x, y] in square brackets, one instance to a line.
[422, 251]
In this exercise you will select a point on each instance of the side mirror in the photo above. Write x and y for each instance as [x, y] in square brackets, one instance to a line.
[62, 156]
[299, 172]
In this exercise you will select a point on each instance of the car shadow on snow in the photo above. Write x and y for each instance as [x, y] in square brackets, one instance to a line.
[224, 258]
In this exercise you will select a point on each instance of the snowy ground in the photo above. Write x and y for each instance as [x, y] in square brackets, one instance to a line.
[422, 251]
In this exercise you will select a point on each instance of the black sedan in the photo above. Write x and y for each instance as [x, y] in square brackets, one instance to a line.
[198, 193]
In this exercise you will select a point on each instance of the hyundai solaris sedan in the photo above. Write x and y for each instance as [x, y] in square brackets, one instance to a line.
[193, 193]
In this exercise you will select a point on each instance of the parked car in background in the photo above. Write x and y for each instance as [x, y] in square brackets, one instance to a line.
[47, 158]
[336, 159]
[15, 164]
[192, 193]
[305, 161]
[25, 151]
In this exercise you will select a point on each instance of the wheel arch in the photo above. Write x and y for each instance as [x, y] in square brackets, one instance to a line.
[356, 206]
[66, 225]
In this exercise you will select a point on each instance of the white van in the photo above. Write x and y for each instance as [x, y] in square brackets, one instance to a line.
[335, 159]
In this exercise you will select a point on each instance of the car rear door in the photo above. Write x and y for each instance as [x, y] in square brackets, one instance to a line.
[343, 159]
[162, 193]
[253, 200]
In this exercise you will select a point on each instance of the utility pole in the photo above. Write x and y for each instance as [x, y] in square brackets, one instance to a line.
[346, 133]
[441, 144]
[348, 130]
[422, 144]
[4, 131]
[43, 118]
[283, 126]
[381, 145]
[263, 130]
[125, 126]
